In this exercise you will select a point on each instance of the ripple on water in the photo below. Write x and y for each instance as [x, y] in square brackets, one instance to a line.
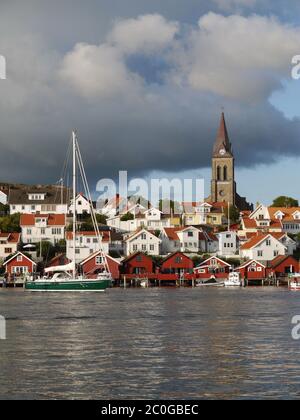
[150, 344]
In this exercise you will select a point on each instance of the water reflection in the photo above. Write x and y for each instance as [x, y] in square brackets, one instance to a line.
[150, 344]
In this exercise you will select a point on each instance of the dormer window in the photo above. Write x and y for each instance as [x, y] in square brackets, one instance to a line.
[279, 215]
[36, 197]
[296, 215]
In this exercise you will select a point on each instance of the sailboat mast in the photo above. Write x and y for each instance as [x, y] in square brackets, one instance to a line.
[74, 203]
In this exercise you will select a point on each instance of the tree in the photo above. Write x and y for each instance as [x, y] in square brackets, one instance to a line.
[234, 214]
[284, 201]
[101, 219]
[10, 223]
[126, 217]
[45, 250]
[197, 259]
[4, 209]
[61, 246]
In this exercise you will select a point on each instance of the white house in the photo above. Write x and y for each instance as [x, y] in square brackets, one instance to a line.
[188, 239]
[87, 243]
[142, 241]
[3, 197]
[83, 206]
[44, 200]
[9, 244]
[42, 227]
[228, 243]
[152, 219]
[263, 247]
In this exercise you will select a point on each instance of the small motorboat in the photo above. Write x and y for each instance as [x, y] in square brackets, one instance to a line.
[144, 283]
[212, 282]
[295, 284]
[234, 280]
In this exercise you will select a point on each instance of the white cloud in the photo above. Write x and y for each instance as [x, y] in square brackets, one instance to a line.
[97, 71]
[238, 57]
[145, 34]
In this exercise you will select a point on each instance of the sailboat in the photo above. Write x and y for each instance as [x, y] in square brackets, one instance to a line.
[64, 278]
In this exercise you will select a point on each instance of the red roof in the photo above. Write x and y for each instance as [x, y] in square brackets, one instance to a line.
[172, 233]
[11, 237]
[280, 259]
[256, 239]
[52, 219]
[249, 223]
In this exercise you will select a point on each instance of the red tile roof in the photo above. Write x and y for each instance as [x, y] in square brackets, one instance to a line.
[259, 237]
[249, 223]
[11, 237]
[52, 219]
[172, 233]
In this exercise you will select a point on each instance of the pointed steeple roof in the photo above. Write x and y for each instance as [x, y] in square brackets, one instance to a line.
[222, 141]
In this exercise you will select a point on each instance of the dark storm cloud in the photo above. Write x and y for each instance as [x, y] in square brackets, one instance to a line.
[153, 123]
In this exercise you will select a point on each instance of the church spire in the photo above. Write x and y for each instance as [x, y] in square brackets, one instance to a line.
[222, 144]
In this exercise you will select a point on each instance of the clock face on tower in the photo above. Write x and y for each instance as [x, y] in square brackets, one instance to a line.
[222, 152]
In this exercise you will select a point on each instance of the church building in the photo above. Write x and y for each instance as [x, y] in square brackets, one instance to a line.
[223, 185]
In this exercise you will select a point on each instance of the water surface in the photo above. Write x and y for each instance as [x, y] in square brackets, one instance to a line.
[153, 344]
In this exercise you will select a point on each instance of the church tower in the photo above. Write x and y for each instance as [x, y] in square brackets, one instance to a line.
[223, 186]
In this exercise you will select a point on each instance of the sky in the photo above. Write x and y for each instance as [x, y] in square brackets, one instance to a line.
[144, 82]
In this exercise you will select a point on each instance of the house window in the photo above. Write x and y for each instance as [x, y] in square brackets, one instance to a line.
[20, 270]
[99, 260]
[144, 247]
[7, 250]
[268, 242]
[134, 247]
[190, 234]
[56, 231]
[29, 231]
[152, 248]
[43, 231]
[178, 260]
[144, 236]
[259, 269]
[276, 253]
[139, 258]
[19, 258]
[77, 251]
[260, 253]
[201, 271]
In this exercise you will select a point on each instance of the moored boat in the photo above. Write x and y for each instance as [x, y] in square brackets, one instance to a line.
[233, 280]
[212, 282]
[295, 284]
[65, 278]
